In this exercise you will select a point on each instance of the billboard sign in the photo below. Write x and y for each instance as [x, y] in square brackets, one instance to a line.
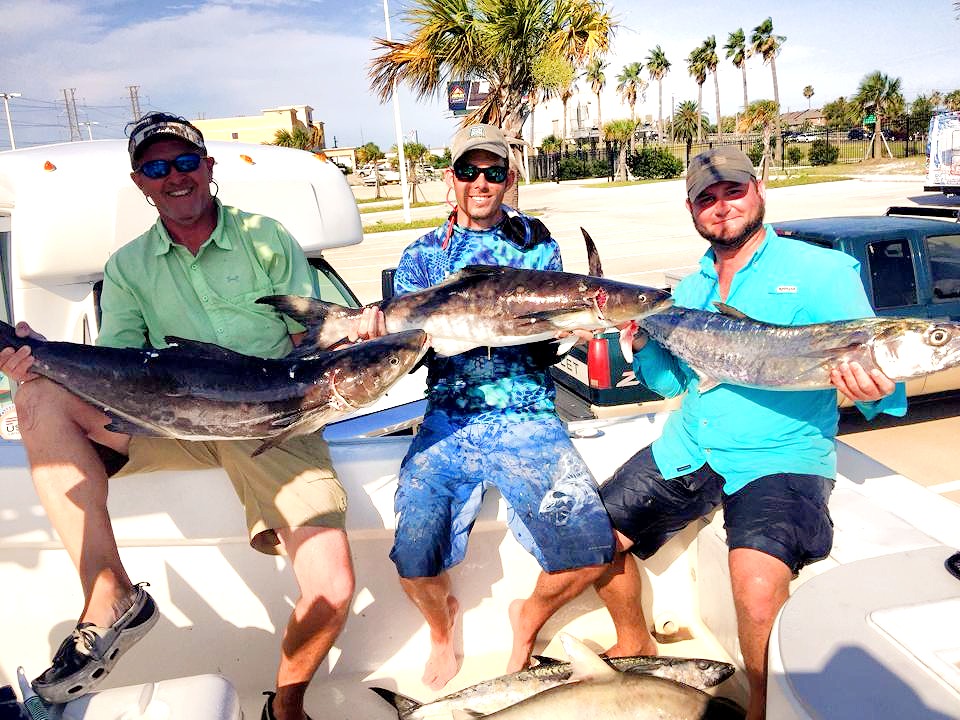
[464, 96]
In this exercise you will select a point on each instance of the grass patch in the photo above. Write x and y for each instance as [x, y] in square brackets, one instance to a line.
[361, 201]
[624, 183]
[803, 179]
[397, 206]
[381, 226]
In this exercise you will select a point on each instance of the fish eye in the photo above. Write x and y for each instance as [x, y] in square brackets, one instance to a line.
[394, 360]
[939, 336]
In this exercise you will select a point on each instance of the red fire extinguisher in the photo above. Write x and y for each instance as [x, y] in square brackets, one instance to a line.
[598, 363]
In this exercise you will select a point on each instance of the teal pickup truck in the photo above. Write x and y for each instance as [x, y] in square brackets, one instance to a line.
[910, 265]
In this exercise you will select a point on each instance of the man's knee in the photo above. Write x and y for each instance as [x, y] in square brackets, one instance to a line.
[39, 397]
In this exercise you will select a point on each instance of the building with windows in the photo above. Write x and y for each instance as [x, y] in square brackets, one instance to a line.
[263, 128]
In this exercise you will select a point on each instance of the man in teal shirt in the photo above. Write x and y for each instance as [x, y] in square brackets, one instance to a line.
[195, 274]
[768, 457]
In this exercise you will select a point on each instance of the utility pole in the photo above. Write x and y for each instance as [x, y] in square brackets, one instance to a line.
[6, 106]
[134, 101]
[71, 103]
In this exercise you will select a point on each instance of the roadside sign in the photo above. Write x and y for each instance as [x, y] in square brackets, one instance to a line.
[870, 119]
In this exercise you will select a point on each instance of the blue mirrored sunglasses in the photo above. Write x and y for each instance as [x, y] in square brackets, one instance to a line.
[156, 169]
[469, 173]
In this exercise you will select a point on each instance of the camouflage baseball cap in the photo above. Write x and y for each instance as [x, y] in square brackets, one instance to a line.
[478, 137]
[725, 163]
[159, 125]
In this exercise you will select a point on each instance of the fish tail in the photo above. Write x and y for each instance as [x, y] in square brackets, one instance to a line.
[9, 337]
[402, 704]
[327, 323]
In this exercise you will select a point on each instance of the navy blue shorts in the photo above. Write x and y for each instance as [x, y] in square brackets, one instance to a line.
[784, 515]
[554, 507]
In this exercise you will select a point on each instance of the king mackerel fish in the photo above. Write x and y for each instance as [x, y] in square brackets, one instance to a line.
[485, 305]
[728, 347]
[197, 391]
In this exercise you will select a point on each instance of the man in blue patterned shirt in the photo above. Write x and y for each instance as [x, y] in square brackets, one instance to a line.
[490, 420]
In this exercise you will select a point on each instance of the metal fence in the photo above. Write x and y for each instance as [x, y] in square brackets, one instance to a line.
[902, 137]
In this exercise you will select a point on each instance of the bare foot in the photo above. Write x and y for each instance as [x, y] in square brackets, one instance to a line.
[648, 647]
[443, 663]
[522, 646]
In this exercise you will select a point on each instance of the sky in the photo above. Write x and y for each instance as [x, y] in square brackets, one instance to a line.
[218, 58]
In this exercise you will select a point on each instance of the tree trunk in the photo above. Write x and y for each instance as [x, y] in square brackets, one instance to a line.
[660, 112]
[622, 169]
[633, 135]
[699, 113]
[716, 95]
[743, 69]
[777, 149]
[599, 115]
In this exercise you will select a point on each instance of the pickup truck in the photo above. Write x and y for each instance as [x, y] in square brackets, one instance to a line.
[910, 267]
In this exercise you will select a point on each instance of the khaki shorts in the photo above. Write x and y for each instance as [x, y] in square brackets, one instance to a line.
[292, 485]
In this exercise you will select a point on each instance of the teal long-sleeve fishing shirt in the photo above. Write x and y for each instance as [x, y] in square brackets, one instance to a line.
[747, 433]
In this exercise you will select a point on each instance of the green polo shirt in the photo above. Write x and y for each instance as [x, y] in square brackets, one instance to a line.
[153, 287]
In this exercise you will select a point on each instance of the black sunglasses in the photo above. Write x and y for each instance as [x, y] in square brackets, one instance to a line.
[156, 169]
[469, 173]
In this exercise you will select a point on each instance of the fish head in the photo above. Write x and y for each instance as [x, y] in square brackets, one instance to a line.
[910, 347]
[618, 303]
[363, 372]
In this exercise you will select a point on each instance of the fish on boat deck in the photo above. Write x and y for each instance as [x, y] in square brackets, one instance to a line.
[491, 696]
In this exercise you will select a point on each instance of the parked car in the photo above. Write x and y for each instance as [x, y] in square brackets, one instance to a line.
[859, 134]
[387, 176]
[807, 137]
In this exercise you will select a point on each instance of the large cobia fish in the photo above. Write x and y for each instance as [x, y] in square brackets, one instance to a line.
[728, 347]
[485, 305]
[501, 692]
[197, 391]
[597, 690]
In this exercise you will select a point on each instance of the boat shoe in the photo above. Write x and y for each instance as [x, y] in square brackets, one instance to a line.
[83, 660]
[267, 713]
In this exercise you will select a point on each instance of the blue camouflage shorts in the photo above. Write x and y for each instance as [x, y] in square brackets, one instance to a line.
[554, 505]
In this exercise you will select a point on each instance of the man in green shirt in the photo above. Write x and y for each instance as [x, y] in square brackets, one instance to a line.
[196, 274]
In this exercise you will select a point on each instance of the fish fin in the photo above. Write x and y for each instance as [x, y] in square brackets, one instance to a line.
[447, 346]
[626, 347]
[327, 323]
[706, 382]
[309, 422]
[544, 660]
[593, 256]
[725, 309]
[475, 270]
[546, 315]
[121, 424]
[564, 345]
[204, 349]
[584, 662]
[402, 704]
[307, 311]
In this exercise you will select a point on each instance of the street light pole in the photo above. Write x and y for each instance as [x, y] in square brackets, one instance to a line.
[89, 125]
[399, 131]
[6, 106]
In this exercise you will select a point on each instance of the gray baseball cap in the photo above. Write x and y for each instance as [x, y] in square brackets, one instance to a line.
[158, 125]
[479, 137]
[725, 163]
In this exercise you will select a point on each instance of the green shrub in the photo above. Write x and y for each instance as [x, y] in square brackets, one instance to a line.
[794, 155]
[655, 162]
[823, 153]
[600, 168]
[572, 168]
[755, 152]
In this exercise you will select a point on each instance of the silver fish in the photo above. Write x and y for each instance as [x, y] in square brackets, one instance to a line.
[598, 691]
[501, 692]
[486, 305]
[198, 391]
[728, 347]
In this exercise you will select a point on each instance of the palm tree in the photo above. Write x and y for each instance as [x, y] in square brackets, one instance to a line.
[761, 115]
[629, 86]
[551, 74]
[710, 61]
[658, 66]
[808, 93]
[620, 131]
[498, 42]
[565, 94]
[764, 42]
[414, 153]
[697, 67]
[299, 138]
[952, 100]
[594, 75]
[737, 53]
[880, 95]
[686, 123]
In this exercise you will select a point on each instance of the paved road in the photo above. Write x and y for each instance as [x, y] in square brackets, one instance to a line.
[643, 232]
